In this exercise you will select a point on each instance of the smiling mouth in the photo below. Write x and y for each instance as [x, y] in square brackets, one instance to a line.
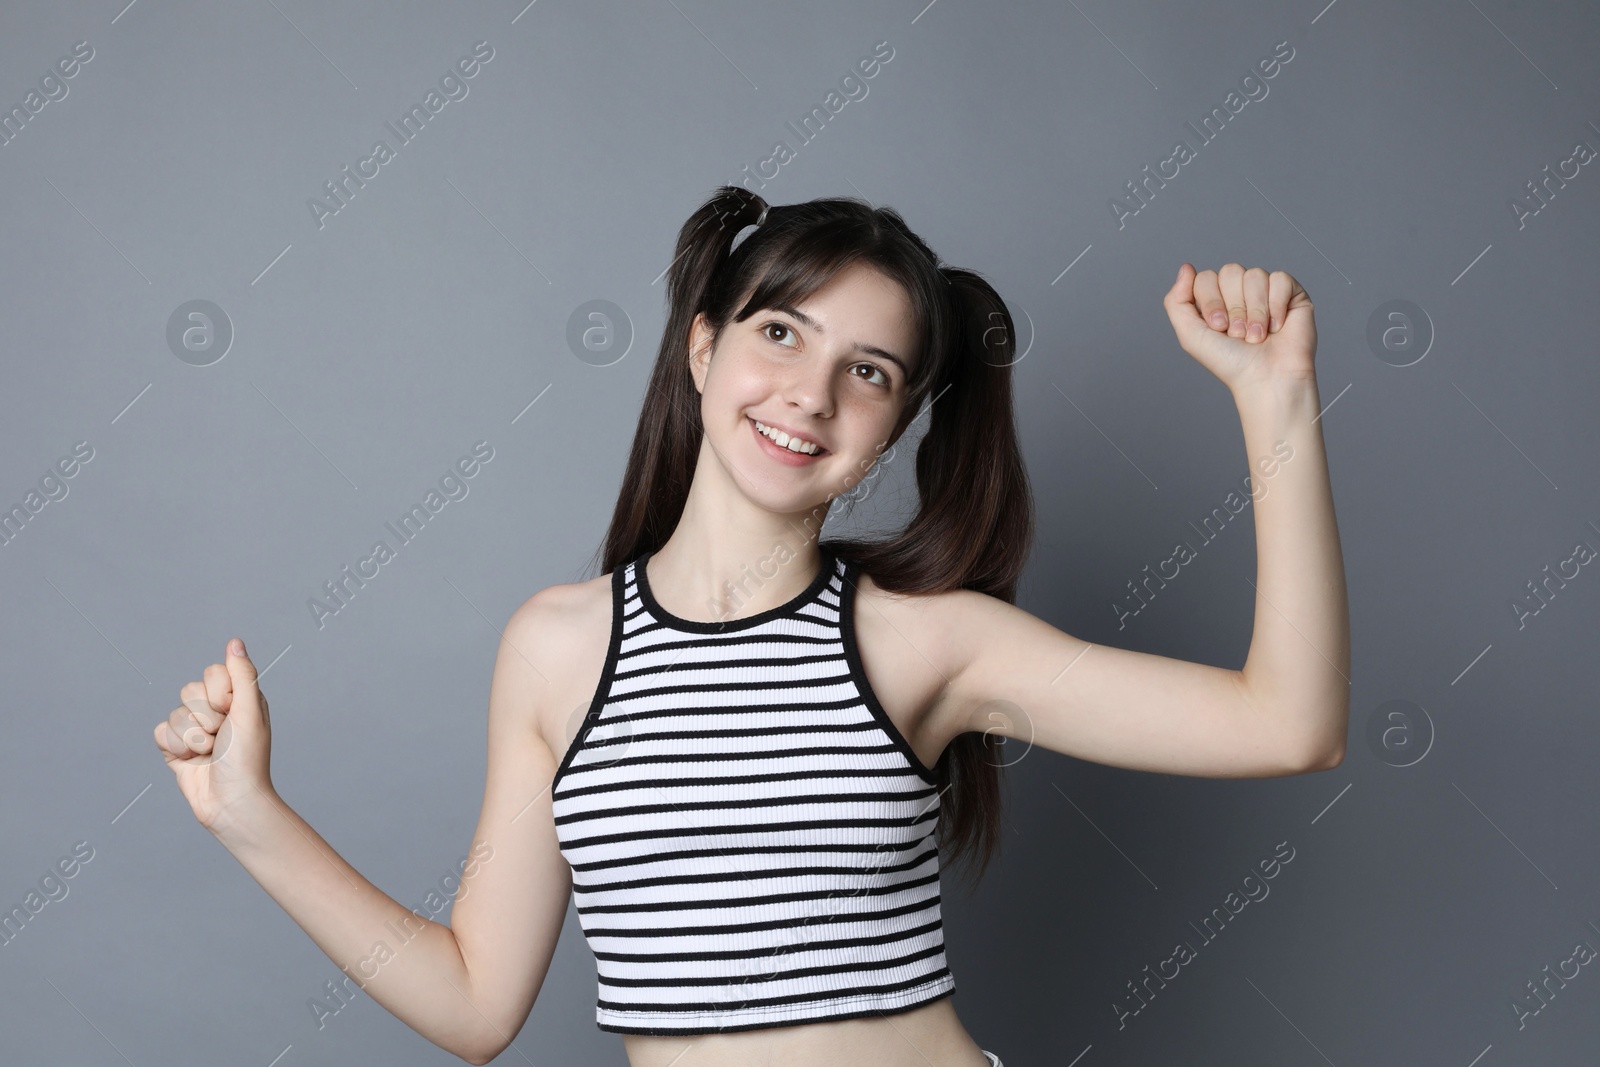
[818, 452]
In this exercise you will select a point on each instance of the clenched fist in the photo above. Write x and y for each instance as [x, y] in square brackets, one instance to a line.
[219, 742]
[1248, 327]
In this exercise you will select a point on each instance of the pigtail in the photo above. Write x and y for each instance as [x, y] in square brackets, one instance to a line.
[971, 480]
[667, 441]
[974, 528]
[704, 243]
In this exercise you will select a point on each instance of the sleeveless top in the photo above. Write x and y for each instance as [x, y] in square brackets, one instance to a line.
[751, 838]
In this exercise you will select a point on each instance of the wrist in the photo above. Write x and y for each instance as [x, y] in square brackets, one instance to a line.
[249, 822]
[1291, 393]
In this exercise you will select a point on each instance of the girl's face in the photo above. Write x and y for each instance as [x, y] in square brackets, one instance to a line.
[832, 371]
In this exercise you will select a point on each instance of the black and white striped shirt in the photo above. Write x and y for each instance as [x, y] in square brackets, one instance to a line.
[751, 838]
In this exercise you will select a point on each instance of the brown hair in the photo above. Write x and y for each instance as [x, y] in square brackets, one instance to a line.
[974, 526]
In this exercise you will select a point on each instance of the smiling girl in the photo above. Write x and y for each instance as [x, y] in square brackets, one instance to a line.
[742, 750]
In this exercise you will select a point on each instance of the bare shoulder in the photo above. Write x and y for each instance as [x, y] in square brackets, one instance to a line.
[912, 645]
[562, 632]
[939, 624]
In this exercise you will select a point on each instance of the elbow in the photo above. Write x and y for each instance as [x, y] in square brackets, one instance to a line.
[481, 1055]
[484, 1047]
[1307, 755]
[1322, 757]
[1330, 759]
[1324, 750]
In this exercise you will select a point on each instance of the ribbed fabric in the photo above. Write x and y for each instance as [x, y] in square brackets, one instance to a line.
[751, 838]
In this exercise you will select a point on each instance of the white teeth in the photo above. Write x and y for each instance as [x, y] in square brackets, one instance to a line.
[783, 440]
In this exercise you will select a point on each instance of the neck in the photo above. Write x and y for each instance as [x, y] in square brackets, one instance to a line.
[728, 557]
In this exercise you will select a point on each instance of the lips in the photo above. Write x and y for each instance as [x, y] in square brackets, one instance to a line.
[821, 450]
[780, 455]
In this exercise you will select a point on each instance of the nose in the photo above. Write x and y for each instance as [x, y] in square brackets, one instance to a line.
[810, 388]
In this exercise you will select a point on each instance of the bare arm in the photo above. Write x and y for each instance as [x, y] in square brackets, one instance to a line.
[467, 989]
[422, 980]
[1015, 675]
[1286, 710]
[1298, 665]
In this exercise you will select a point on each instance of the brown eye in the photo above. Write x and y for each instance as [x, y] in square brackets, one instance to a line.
[782, 326]
[875, 369]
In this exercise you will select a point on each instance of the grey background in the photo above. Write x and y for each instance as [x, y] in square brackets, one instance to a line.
[432, 312]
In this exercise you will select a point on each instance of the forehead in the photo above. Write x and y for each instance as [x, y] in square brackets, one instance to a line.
[863, 305]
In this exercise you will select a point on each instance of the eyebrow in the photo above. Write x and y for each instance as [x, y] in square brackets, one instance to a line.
[813, 324]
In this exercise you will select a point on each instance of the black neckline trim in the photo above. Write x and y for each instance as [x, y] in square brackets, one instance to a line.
[825, 574]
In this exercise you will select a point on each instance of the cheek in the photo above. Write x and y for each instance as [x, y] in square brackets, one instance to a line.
[733, 384]
[865, 443]
[722, 407]
[875, 420]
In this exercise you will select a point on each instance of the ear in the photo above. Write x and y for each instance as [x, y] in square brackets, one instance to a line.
[699, 351]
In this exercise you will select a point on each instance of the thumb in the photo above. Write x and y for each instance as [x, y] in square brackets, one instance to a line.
[1179, 302]
[248, 702]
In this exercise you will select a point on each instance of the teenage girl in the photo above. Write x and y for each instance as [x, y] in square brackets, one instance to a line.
[742, 749]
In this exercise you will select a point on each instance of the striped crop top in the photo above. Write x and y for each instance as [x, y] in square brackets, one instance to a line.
[751, 838]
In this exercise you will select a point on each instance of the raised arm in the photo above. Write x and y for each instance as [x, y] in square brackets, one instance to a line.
[1285, 711]
[467, 988]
